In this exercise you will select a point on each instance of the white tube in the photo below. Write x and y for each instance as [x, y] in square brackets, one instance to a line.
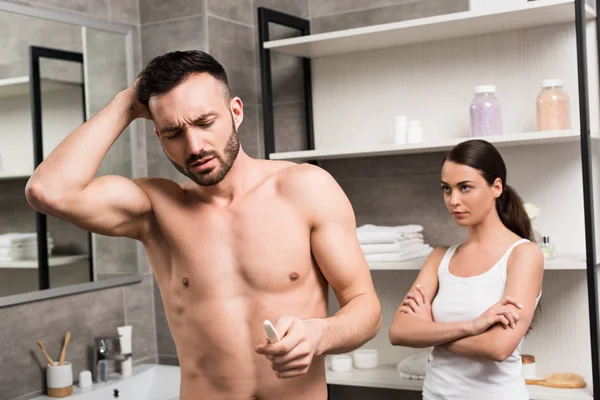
[125, 343]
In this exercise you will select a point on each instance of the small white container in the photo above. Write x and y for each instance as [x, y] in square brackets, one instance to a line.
[365, 358]
[400, 128]
[59, 379]
[85, 379]
[414, 133]
[341, 363]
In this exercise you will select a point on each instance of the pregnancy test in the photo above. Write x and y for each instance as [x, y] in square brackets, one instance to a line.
[271, 332]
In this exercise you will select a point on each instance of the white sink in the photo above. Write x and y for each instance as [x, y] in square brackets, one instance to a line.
[148, 382]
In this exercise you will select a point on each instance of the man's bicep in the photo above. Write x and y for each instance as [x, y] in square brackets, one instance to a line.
[335, 245]
[109, 205]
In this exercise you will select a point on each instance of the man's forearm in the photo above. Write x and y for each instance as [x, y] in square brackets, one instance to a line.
[75, 161]
[352, 326]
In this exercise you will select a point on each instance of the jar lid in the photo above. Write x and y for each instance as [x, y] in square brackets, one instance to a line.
[485, 89]
[527, 358]
[552, 83]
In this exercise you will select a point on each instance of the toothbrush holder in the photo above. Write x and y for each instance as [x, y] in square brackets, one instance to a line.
[59, 380]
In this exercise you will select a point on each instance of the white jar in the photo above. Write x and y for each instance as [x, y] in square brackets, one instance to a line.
[341, 363]
[400, 128]
[528, 366]
[414, 132]
[365, 358]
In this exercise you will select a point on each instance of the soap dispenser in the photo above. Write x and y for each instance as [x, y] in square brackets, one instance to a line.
[547, 248]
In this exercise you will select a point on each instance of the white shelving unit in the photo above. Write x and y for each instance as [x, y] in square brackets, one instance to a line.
[538, 13]
[20, 85]
[503, 141]
[564, 263]
[54, 261]
[14, 176]
[386, 376]
[426, 69]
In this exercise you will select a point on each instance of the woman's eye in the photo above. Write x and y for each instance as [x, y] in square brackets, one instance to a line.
[465, 188]
[445, 189]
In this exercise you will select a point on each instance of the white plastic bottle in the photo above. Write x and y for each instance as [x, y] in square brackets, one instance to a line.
[414, 133]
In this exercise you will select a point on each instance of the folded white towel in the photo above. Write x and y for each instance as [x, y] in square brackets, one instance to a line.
[374, 248]
[413, 367]
[11, 239]
[412, 228]
[370, 234]
[398, 257]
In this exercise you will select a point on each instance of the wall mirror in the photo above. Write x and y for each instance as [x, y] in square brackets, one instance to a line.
[57, 71]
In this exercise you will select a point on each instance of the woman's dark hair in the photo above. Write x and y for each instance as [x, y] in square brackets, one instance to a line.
[484, 157]
[165, 72]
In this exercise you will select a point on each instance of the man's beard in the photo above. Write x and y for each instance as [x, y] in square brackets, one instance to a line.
[216, 174]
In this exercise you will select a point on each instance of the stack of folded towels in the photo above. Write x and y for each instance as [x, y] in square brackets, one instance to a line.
[21, 246]
[392, 243]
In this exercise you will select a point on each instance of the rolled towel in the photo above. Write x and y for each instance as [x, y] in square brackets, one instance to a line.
[374, 248]
[413, 367]
[399, 257]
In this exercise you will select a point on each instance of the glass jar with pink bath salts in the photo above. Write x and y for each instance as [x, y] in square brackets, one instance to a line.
[553, 108]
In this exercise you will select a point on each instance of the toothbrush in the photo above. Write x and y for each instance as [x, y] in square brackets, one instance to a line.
[271, 332]
[41, 346]
[64, 349]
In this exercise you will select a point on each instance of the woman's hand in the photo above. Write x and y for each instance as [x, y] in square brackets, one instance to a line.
[500, 313]
[417, 303]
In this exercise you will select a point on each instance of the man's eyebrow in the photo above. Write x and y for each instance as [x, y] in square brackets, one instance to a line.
[177, 128]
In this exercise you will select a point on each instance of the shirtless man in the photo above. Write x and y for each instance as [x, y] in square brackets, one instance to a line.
[242, 241]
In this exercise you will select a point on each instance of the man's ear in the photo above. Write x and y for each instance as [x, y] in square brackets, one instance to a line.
[237, 111]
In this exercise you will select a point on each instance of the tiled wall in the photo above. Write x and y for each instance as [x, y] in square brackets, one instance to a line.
[84, 315]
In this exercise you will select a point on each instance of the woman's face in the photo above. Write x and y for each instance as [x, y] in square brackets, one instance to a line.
[467, 195]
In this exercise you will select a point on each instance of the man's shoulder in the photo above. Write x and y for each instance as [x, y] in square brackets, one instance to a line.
[153, 186]
[292, 178]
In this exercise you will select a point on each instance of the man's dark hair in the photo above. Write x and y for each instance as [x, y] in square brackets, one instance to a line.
[165, 72]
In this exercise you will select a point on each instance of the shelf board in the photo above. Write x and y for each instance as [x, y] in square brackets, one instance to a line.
[448, 26]
[409, 265]
[20, 85]
[386, 377]
[4, 176]
[508, 140]
[54, 261]
[564, 263]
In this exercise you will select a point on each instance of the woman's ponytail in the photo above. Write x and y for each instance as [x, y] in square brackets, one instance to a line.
[512, 213]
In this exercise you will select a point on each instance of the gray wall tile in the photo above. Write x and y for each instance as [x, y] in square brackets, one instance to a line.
[382, 15]
[234, 46]
[124, 11]
[168, 360]
[97, 8]
[319, 8]
[289, 127]
[248, 131]
[160, 10]
[299, 8]
[165, 343]
[139, 313]
[236, 10]
[160, 38]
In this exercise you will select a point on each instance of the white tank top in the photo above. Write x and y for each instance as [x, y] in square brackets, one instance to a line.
[452, 377]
